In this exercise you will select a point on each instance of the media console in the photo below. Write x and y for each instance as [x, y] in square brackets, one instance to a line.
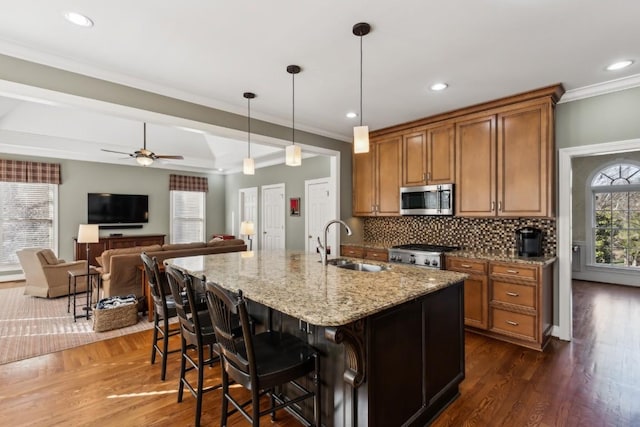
[114, 242]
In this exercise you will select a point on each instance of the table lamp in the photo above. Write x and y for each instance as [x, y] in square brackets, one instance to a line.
[88, 233]
[247, 229]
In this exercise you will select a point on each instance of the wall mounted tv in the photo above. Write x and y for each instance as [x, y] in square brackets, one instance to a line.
[107, 208]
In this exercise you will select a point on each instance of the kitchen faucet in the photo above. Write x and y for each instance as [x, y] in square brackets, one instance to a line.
[323, 246]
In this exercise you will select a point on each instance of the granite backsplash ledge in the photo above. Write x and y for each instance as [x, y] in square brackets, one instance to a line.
[475, 234]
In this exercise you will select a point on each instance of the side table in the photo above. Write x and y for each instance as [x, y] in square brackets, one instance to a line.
[93, 277]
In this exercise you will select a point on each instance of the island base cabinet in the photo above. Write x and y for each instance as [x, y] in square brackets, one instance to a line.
[413, 362]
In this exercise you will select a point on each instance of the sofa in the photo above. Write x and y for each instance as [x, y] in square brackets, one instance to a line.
[46, 275]
[121, 269]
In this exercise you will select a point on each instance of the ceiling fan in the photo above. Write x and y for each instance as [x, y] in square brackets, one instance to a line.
[143, 156]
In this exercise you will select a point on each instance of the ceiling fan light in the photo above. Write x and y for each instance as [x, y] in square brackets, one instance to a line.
[361, 139]
[293, 155]
[248, 166]
[144, 161]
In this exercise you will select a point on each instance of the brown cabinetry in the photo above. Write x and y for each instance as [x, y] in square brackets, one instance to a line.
[506, 300]
[476, 290]
[504, 163]
[114, 242]
[499, 154]
[428, 156]
[521, 303]
[364, 252]
[376, 178]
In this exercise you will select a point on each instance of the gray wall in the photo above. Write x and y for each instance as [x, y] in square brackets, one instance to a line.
[50, 78]
[604, 118]
[293, 179]
[582, 168]
[80, 178]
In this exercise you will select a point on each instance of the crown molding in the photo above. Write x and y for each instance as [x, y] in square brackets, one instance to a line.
[601, 88]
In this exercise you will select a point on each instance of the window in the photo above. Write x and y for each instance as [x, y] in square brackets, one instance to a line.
[188, 196]
[616, 216]
[187, 216]
[27, 219]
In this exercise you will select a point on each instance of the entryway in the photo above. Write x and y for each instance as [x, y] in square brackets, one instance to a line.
[273, 217]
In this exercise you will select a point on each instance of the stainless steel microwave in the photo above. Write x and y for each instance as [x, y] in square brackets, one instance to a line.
[427, 200]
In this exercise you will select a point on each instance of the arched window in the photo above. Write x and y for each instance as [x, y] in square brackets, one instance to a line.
[616, 215]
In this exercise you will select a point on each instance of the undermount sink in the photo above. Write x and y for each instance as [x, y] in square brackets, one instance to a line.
[357, 266]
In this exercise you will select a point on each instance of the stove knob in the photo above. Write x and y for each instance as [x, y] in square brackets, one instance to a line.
[426, 262]
[434, 263]
[412, 260]
[392, 258]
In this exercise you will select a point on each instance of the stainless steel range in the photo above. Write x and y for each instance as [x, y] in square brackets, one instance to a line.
[423, 255]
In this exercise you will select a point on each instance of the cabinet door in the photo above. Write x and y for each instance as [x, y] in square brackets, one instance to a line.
[414, 159]
[388, 176]
[364, 183]
[524, 162]
[476, 167]
[441, 155]
[476, 302]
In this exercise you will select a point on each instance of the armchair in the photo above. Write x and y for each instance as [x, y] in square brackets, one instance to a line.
[46, 275]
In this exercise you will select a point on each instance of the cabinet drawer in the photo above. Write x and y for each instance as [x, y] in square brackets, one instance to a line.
[520, 324]
[377, 254]
[352, 251]
[467, 265]
[515, 271]
[513, 293]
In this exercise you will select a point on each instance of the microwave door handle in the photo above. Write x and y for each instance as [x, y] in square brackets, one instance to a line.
[439, 201]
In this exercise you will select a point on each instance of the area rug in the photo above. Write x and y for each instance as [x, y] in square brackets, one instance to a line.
[31, 326]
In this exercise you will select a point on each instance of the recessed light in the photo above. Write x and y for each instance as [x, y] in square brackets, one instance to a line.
[78, 19]
[352, 115]
[439, 86]
[619, 65]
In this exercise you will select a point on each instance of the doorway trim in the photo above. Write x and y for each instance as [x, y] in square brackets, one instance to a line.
[565, 309]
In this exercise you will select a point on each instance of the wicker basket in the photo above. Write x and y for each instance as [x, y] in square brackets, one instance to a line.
[106, 319]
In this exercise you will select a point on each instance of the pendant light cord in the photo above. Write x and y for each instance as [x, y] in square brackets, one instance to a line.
[249, 128]
[293, 108]
[360, 80]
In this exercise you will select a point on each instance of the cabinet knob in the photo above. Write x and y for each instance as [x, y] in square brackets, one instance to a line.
[493, 206]
[511, 322]
[513, 271]
[513, 294]
[465, 266]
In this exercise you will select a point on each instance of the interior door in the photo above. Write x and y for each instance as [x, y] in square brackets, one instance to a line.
[320, 208]
[273, 216]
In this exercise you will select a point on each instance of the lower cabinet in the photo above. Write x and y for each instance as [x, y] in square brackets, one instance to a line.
[508, 300]
[476, 290]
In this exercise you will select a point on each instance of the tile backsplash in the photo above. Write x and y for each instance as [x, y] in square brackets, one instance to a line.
[475, 234]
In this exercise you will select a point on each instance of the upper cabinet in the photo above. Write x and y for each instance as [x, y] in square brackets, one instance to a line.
[376, 178]
[476, 167]
[505, 163]
[428, 156]
[499, 155]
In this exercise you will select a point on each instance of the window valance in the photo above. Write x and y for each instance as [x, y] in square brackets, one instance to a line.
[31, 172]
[188, 183]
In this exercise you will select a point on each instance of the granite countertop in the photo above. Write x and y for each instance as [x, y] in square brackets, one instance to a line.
[502, 256]
[297, 284]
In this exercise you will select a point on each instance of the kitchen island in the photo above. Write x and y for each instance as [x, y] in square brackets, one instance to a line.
[392, 342]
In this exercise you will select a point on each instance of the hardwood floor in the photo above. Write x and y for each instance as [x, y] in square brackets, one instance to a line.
[592, 381]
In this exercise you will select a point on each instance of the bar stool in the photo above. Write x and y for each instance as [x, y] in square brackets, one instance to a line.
[259, 362]
[164, 308]
[196, 332]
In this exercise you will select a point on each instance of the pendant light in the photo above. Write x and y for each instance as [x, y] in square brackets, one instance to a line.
[361, 133]
[248, 164]
[293, 152]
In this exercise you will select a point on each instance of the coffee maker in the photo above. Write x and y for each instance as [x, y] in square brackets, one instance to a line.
[529, 242]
